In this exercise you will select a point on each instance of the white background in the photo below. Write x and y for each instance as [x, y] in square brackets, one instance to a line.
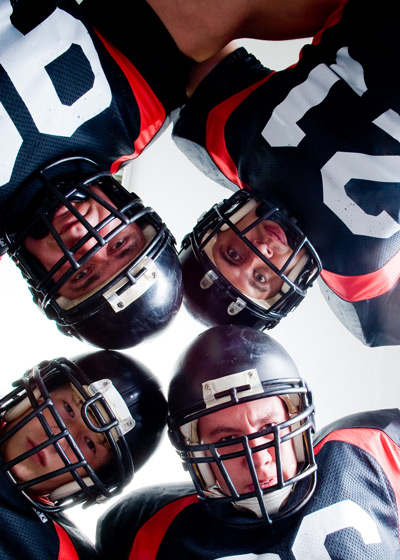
[344, 375]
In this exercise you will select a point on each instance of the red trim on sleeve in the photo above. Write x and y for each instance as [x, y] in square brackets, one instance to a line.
[151, 534]
[215, 140]
[215, 137]
[67, 550]
[152, 112]
[377, 444]
[367, 286]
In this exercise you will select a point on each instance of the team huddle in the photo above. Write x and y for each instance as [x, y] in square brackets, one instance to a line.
[311, 153]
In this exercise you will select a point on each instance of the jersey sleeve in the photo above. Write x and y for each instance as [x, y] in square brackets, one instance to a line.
[376, 437]
[386, 421]
[374, 321]
[142, 37]
[119, 527]
[74, 545]
[86, 80]
[235, 74]
[320, 139]
[29, 533]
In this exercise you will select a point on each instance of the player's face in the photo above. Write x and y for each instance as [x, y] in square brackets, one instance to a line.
[109, 260]
[241, 420]
[243, 268]
[94, 446]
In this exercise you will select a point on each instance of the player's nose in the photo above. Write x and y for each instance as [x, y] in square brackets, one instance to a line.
[262, 457]
[262, 243]
[99, 256]
[254, 264]
[75, 234]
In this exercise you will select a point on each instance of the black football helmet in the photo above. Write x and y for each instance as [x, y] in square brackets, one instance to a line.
[211, 298]
[121, 400]
[223, 367]
[132, 304]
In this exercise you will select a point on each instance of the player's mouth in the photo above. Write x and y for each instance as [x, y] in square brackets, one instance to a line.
[264, 483]
[63, 219]
[276, 232]
[39, 456]
[58, 215]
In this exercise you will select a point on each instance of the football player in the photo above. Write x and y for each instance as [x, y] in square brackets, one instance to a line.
[96, 260]
[82, 81]
[315, 151]
[242, 420]
[86, 81]
[72, 432]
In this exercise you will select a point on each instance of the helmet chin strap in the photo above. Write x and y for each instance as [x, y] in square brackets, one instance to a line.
[272, 501]
[68, 489]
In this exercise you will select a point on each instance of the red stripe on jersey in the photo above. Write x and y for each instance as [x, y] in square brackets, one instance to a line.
[378, 445]
[215, 138]
[367, 286]
[150, 535]
[152, 112]
[67, 550]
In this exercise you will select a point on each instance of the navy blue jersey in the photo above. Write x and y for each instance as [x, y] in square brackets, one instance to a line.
[320, 139]
[87, 80]
[30, 534]
[352, 515]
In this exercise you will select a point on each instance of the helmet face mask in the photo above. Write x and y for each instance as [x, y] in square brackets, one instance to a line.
[72, 261]
[68, 437]
[213, 298]
[106, 255]
[226, 463]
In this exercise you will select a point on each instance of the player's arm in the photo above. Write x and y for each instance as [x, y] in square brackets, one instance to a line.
[202, 27]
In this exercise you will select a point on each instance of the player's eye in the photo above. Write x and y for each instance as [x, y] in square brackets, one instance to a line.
[234, 255]
[118, 244]
[69, 409]
[260, 278]
[81, 275]
[268, 427]
[227, 438]
[91, 446]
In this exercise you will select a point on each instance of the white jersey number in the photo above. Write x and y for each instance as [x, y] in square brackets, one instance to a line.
[342, 167]
[24, 58]
[315, 527]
